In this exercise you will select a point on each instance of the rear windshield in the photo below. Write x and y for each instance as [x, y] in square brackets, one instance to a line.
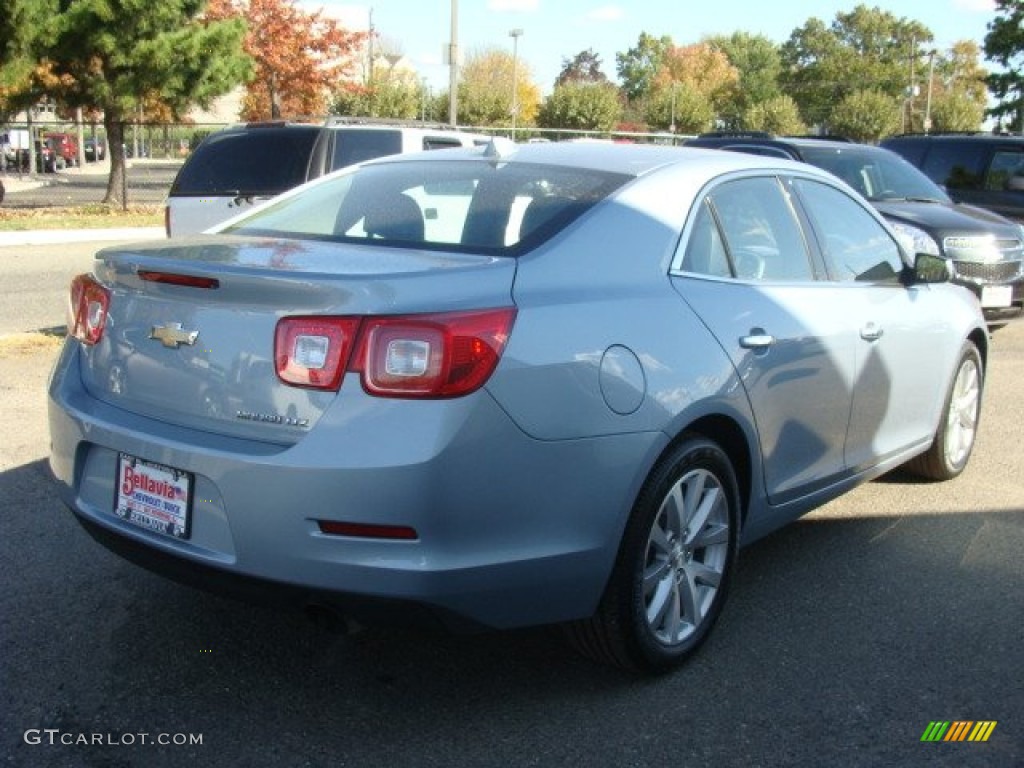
[262, 161]
[478, 207]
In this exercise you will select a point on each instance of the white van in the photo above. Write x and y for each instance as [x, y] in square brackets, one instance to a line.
[235, 168]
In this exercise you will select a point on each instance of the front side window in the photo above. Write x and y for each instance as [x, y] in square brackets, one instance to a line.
[855, 245]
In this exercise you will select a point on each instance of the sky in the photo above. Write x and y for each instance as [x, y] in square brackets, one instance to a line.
[555, 30]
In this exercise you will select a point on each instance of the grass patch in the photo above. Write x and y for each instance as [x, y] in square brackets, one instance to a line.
[94, 216]
[19, 344]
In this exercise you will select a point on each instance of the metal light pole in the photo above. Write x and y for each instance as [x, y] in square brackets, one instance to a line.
[453, 67]
[672, 124]
[515, 34]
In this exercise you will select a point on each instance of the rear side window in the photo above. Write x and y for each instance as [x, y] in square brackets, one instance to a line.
[353, 146]
[261, 161]
[463, 206]
[760, 231]
[440, 142]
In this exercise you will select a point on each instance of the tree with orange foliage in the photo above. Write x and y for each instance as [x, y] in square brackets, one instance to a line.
[298, 57]
[690, 87]
[700, 68]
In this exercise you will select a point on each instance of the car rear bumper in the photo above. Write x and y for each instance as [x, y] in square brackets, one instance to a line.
[503, 539]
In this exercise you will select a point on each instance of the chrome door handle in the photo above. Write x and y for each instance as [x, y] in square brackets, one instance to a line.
[757, 339]
[871, 332]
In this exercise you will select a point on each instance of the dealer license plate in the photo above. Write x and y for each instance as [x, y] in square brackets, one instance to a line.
[996, 295]
[153, 496]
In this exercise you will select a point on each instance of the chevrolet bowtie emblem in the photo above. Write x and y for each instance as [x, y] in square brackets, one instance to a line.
[173, 335]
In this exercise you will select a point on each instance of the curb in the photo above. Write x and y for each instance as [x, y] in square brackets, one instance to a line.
[58, 236]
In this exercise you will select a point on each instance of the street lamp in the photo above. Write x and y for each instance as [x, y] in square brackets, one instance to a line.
[515, 34]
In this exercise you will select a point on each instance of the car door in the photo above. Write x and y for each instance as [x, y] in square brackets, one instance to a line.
[897, 381]
[744, 266]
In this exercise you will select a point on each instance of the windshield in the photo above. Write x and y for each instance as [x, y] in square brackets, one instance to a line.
[474, 206]
[878, 174]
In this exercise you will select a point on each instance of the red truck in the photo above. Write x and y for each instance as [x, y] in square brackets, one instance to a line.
[65, 146]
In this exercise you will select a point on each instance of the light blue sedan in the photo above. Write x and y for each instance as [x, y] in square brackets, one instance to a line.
[509, 386]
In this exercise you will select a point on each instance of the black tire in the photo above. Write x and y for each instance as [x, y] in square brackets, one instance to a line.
[958, 427]
[670, 580]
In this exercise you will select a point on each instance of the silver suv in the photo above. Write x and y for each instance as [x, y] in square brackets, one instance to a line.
[233, 169]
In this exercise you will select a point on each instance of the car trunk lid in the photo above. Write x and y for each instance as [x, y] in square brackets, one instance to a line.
[189, 337]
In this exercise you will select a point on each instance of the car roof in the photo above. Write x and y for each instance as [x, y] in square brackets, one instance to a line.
[976, 138]
[626, 159]
[769, 140]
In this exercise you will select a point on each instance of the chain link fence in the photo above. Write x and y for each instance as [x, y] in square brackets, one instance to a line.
[59, 164]
[66, 164]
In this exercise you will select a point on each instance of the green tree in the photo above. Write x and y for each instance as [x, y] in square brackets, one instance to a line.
[779, 115]
[581, 106]
[396, 96]
[956, 111]
[584, 67]
[866, 115]
[113, 55]
[485, 90]
[867, 48]
[758, 62]
[639, 65]
[22, 22]
[954, 86]
[679, 106]
[1004, 44]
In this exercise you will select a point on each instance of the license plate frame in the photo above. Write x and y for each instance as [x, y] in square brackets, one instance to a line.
[996, 296]
[154, 497]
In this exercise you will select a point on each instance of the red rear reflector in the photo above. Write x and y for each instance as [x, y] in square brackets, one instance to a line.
[173, 278]
[368, 530]
[88, 305]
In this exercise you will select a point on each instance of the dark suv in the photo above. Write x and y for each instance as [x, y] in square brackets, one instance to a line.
[980, 169]
[986, 250]
[240, 166]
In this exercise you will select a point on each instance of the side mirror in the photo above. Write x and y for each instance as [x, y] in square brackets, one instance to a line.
[930, 269]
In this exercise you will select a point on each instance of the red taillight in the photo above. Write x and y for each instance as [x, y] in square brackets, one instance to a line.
[439, 355]
[314, 351]
[88, 305]
[443, 355]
